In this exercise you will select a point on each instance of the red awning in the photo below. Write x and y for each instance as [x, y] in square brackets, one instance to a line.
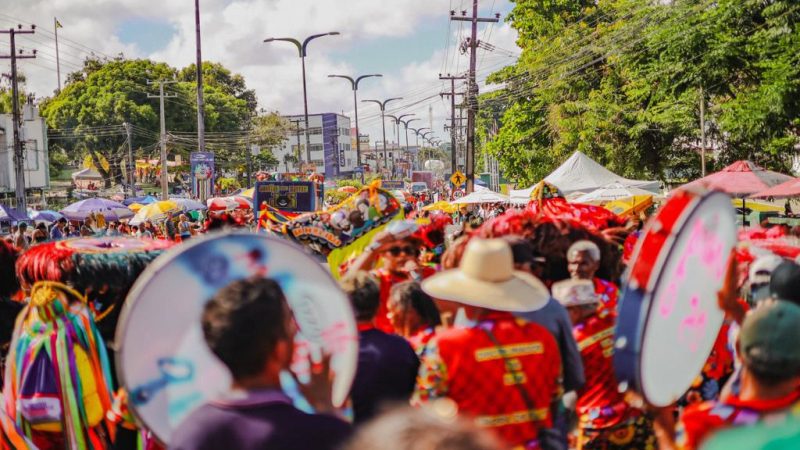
[790, 188]
[741, 178]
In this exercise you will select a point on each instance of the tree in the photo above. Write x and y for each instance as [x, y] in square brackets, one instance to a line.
[621, 80]
[106, 93]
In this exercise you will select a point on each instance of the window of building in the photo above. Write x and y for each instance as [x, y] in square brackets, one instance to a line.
[316, 147]
[315, 130]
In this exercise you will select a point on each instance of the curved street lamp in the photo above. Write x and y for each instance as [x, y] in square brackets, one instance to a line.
[354, 85]
[382, 105]
[301, 49]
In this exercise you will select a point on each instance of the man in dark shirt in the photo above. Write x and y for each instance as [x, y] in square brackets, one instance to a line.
[387, 364]
[554, 317]
[249, 327]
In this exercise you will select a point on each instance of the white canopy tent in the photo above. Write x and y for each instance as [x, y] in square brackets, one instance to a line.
[581, 173]
[613, 191]
[481, 196]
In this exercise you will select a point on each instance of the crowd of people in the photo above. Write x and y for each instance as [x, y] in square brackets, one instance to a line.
[487, 329]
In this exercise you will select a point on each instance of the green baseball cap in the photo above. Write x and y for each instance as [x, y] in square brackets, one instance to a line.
[769, 336]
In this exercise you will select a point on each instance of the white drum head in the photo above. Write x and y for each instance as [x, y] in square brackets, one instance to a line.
[163, 361]
[684, 318]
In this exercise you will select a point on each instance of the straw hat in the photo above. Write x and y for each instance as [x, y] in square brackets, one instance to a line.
[486, 278]
[575, 293]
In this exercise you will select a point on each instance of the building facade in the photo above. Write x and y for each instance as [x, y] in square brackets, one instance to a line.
[332, 152]
[33, 134]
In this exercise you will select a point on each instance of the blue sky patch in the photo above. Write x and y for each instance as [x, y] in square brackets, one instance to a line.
[150, 35]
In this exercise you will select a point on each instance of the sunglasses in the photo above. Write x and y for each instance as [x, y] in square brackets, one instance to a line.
[408, 250]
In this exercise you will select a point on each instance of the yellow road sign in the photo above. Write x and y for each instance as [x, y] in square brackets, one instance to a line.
[458, 178]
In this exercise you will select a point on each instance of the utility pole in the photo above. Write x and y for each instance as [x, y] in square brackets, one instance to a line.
[452, 94]
[19, 155]
[408, 152]
[201, 126]
[131, 167]
[472, 87]
[702, 132]
[56, 26]
[161, 96]
[397, 120]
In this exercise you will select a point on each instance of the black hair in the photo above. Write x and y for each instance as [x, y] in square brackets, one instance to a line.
[364, 293]
[409, 294]
[244, 322]
[9, 284]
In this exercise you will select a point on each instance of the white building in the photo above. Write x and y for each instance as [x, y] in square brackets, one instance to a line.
[33, 134]
[331, 150]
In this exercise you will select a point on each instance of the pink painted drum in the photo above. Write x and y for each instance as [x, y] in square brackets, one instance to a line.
[669, 318]
[163, 360]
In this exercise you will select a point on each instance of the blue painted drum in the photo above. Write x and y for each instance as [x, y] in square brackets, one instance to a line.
[163, 360]
[668, 316]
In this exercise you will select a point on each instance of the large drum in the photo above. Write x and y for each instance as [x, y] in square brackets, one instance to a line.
[669, 318]
[163, 361]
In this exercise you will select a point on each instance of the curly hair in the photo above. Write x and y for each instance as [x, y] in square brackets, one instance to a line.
[550, 238]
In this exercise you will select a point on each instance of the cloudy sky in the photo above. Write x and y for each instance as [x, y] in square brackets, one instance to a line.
[408, 41]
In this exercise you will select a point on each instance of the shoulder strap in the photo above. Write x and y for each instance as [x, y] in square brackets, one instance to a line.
[510, 367]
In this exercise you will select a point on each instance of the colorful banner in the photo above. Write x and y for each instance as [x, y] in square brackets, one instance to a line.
[293, 196]
[346, 224]
[202, 164]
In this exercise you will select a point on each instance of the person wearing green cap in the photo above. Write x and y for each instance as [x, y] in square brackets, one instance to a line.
[770, 378]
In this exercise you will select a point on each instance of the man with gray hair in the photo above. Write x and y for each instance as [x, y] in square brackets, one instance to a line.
[583, 261]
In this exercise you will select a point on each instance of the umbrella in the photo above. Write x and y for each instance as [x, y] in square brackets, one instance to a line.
[146, 200]
[740, 179]
[481, 197]
[443, 206]
[187, 204]
[228, 203]
[45, 215]
[755, 206]
[110, 209]
[630, 206]
[790, 188]
[247, 193]
[8, 214]
[135, 207]
[154, 211]
[611, 192]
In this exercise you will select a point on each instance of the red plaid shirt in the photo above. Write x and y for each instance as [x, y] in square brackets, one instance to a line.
[387, 280]
[702, 420]
[600, 404]
[608, 293]
[465, 365]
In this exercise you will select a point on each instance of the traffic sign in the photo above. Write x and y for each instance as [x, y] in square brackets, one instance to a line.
[458, 193]
[458, 179]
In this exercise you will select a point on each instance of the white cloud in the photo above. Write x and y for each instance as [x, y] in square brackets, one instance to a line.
[232, 35]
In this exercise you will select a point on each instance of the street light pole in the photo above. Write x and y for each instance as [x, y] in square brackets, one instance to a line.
[382, 105]
[397, 121]
[354, 85]
[408, 152]
[301, 48]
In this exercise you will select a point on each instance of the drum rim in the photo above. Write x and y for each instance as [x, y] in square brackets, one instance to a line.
[155, 268]
[646, 292]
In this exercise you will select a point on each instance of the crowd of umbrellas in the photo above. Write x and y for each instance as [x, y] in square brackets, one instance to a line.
[135, 210]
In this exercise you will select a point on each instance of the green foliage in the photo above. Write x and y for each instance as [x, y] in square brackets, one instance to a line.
[228, 184]
[621, 81]
[354, 183]
[58, 161]
[109, 92]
